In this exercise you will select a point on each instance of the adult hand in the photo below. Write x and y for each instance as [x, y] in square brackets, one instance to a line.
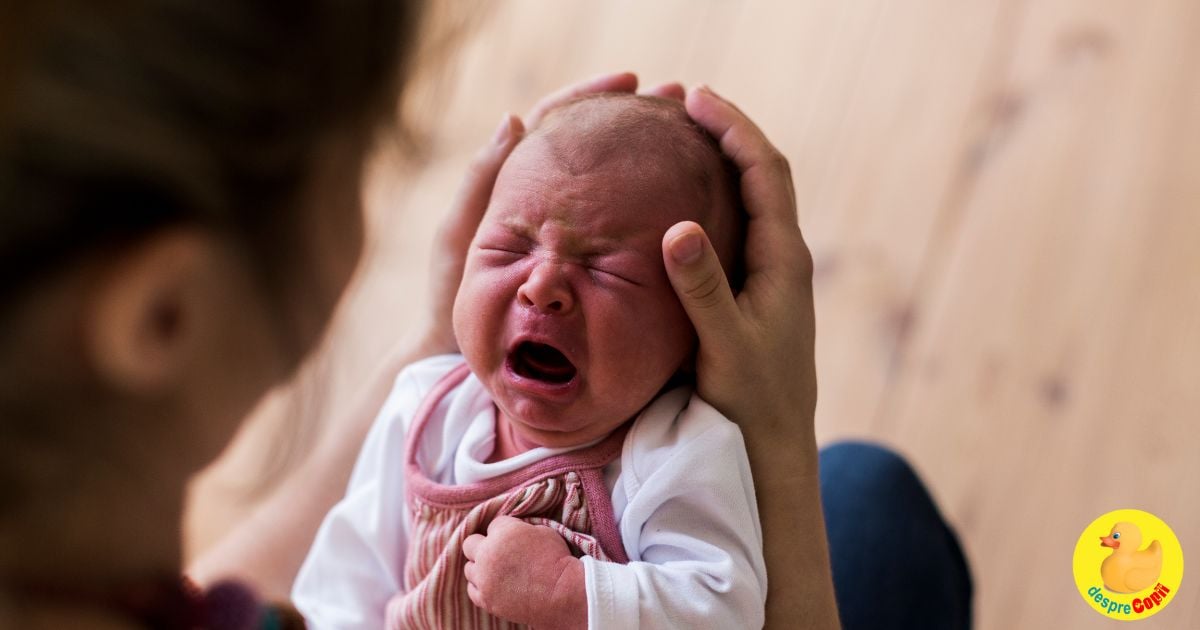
[458, 228]
[755, 361]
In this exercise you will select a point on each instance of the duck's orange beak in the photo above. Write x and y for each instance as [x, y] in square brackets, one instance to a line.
[1107, 541]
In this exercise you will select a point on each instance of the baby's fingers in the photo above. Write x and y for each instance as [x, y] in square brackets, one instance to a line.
[476, 596]
[503, 526]
[471, 546]
[469, 571]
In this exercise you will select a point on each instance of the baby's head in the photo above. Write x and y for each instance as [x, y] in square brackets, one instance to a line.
[565, 312]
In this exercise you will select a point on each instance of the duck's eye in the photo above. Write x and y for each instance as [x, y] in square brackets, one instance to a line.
[1116, 535]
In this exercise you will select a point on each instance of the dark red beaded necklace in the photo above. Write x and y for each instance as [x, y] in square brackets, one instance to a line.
[168, 603]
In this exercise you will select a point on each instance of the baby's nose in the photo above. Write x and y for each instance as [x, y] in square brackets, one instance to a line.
[547, 290]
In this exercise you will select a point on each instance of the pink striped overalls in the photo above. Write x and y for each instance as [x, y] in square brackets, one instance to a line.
[565, 492]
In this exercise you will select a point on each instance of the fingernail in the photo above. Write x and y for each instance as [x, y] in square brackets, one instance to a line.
[703, 87]
[685, 249]
[504, 130]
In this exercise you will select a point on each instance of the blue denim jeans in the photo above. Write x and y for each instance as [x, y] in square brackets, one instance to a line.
[896, 564]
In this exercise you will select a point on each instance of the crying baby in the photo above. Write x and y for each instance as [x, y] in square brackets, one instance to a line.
[560, 472]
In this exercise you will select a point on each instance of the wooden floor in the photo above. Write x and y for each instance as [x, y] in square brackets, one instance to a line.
[1003, 201]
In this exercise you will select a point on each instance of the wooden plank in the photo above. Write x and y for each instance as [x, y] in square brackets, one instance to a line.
[1048, 380]
[873, 166]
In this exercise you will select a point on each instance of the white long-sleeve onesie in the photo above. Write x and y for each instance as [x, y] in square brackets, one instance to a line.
[681, 492]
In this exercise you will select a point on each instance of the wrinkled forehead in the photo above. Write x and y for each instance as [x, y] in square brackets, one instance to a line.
[644, 163]
[652, 143]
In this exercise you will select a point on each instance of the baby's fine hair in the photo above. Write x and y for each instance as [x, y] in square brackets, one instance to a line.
[655, 136]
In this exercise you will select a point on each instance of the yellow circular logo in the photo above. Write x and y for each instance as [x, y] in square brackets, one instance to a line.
[1128, 564]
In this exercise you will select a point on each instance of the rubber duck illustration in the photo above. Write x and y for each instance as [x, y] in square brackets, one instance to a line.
[1128, 569]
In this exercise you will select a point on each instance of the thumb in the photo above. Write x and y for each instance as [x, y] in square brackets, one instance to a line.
[699, 282]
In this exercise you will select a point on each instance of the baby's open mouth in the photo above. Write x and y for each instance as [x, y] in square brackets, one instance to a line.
[541, 362]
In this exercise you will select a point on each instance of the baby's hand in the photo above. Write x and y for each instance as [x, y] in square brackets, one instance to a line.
[526, 574]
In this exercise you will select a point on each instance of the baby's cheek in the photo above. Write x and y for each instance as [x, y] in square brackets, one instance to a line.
[483, 289]
[650, 342]
[477, 313]
[668, 312]
[675, 334]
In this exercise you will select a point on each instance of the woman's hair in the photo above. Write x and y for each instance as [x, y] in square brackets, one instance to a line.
[122, 117]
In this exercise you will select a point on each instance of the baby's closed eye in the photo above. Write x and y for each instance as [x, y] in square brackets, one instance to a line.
[623, 266]
[603, 275]
[504, 242]
[495, 249]
[503, 250]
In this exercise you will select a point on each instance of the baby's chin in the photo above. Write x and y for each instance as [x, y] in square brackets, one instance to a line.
[545, 428]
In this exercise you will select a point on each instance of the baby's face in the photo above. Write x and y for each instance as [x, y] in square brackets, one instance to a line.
[565, 311]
